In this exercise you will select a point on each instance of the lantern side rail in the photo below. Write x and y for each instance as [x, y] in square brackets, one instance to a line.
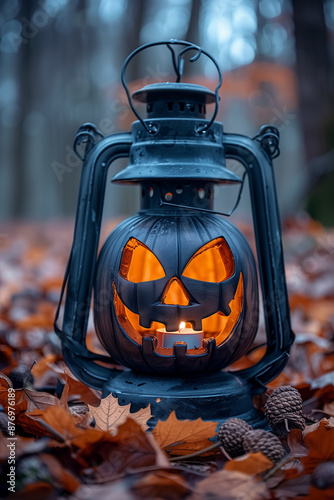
[80, 271]
[256, 158]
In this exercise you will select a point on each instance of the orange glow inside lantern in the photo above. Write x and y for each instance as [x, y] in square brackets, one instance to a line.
[213, 262]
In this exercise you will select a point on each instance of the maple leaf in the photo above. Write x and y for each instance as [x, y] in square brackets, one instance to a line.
[172, 432]
[110, 415]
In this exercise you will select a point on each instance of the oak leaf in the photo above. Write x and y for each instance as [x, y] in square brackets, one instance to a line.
[110, 414]
[173, 432]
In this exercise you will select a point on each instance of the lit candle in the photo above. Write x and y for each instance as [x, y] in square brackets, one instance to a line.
[192, 338]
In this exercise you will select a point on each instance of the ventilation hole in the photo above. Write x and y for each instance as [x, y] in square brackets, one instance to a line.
[168, 196]
[209, 193]
[150, 192]
[179, 190]
[190, 107]
[143, 192]
[200, 108]
[201, 193]
[170, 106]
[181, 106]
[150, 108]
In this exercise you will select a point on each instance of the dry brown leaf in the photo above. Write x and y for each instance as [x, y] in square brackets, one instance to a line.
[161, 484]
[131, 448]
[117, 490]
[230, 485]
[252, 464]
[173, 432]
[87, 394]
[43, 365]
[40, 490]
[192, 447]
[110, 414]
[295, 443]
[64, 478]
[319, 439]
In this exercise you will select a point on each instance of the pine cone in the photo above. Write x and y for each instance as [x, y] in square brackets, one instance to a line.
[21, 377]
[231, 434]
[283, 410]
[266, 442]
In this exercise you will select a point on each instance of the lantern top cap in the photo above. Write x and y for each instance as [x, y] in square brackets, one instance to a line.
[174, 91]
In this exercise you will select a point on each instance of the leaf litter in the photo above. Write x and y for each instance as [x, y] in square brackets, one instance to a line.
[72, 443]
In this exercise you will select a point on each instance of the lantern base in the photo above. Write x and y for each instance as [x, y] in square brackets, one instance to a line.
[214, 397]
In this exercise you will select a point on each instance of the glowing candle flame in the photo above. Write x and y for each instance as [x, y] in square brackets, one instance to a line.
[182, 326]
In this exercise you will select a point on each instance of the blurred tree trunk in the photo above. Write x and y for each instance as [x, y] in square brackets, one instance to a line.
[192, 36]
[314, 75]
[131, 36]
[25, 79]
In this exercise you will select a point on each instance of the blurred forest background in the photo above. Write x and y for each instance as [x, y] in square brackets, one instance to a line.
[60, 64]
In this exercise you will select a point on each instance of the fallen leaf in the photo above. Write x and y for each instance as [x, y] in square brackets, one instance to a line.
[43, 365]
[87, 394]
[64, 478]
[252, 464]
[173, 432]
[230, 485]
[40, 490]
[295, 443]
[319, 439]
[131, 448]
[117, 490]
[194, 446]
[161, 484]
[110, 414]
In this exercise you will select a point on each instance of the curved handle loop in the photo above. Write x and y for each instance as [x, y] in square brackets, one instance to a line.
[178, 64]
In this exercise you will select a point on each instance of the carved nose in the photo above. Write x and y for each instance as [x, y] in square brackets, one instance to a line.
[175, 293]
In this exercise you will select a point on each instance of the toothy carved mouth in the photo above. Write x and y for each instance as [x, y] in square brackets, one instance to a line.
[217, 326]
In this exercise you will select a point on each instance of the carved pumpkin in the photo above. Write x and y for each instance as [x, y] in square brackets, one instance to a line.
[155, 271]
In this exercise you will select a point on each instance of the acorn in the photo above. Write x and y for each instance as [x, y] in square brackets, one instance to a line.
[21, 377]
[267, 443]
[283, 410]
[231, 434]
[4, 423]
[323, 476]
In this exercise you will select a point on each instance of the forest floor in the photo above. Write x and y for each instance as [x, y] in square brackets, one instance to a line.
[59, 439]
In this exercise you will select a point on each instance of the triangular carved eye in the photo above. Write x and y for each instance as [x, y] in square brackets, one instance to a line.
[139, 263]
[213, 262]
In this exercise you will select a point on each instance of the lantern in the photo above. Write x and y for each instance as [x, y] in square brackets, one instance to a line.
[175, 286]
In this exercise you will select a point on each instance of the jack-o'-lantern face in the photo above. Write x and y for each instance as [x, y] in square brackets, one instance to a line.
[207, 295]
[165, 277]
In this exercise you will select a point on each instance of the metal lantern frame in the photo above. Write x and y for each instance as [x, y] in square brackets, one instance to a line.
[229, 390]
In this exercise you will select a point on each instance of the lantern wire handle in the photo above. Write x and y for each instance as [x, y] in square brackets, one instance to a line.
[225, 214]
[178, 64]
